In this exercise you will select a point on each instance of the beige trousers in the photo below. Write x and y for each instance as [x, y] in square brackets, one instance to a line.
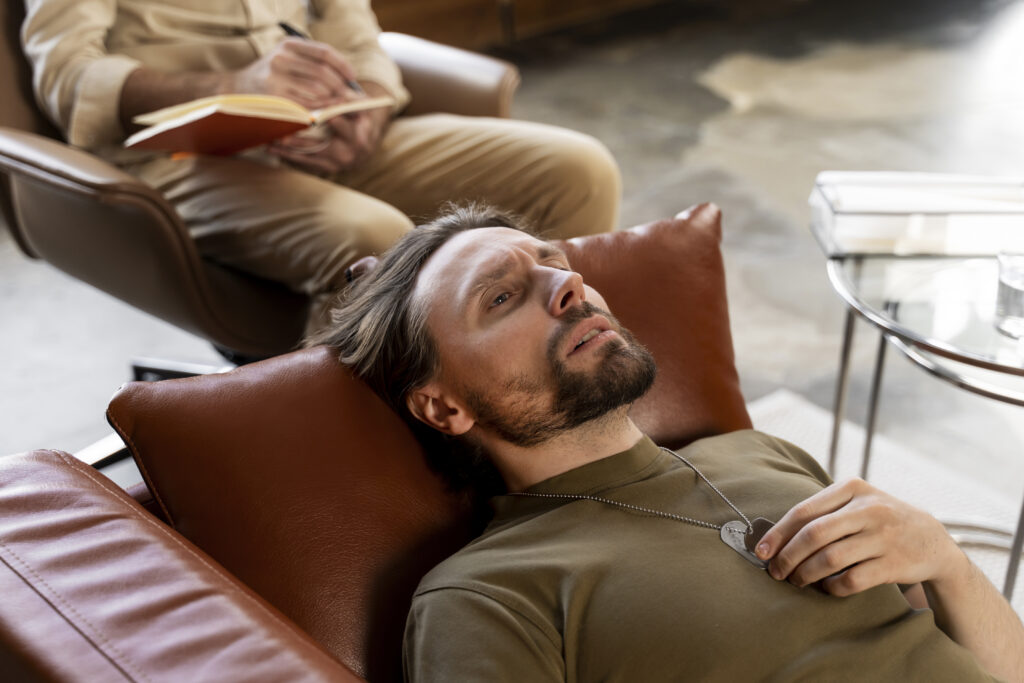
[304, 231]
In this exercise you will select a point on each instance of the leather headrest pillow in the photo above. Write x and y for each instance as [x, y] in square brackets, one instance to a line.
[298, 480]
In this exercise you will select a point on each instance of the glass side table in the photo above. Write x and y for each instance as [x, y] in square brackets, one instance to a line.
[940, 313]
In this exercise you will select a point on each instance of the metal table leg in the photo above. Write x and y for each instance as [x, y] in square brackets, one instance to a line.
[1015, 550]
[876, 385]
[839, 404]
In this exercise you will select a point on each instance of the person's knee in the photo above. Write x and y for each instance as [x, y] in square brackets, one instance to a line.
[351, 230]
[374, 231]
[585, 186]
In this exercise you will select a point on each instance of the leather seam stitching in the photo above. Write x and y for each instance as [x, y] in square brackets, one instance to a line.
[142, 467]
[56, 595]
[218, 571]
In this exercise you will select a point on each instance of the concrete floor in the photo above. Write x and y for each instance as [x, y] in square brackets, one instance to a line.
[695, 107]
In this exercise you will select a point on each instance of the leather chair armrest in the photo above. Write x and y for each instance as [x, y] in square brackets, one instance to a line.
[101, 225]
[96, 589]
[448, 79]
[53, 160]
[50, 161]
[52, 168]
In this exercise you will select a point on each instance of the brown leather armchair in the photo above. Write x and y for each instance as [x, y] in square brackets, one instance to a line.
[104, 227]
[291, 514]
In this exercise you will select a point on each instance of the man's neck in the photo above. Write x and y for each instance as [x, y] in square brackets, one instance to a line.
[521, 468]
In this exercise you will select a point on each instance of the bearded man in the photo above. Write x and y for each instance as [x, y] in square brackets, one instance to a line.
[608, 558]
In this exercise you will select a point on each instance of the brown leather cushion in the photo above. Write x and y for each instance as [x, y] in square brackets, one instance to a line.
[295, 477]
[665, 282]
[94, 589]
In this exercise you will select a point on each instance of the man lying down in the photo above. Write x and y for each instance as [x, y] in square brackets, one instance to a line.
[609, 558]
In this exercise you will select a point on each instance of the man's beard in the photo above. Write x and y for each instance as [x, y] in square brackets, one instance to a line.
[623, 374]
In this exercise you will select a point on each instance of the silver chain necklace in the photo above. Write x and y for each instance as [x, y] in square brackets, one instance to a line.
[740, 536]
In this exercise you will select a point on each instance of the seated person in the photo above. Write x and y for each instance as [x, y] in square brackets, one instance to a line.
[299, 211]
[609, 558]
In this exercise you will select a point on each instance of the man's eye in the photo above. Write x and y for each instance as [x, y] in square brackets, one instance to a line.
[500, 299]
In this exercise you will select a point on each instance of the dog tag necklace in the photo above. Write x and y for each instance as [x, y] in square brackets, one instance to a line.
[741, 536]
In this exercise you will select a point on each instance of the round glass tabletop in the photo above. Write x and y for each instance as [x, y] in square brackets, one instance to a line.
[943, 309]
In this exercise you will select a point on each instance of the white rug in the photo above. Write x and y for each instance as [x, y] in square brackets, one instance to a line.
[899, 470]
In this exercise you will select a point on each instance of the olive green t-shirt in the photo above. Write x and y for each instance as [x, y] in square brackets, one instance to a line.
[558, 590]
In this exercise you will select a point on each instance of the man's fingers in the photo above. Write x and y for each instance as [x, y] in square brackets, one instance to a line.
[813, 537]
[320, 163]
[344, 129]
[324, 60]
[851, 537]
[308, 94]
[298, 71]
[303, 143]
[364, 133]
[312, 73]
[317, 87]
[856, 579]
[835, 558]
[825, 502]
[338, 156]
[321, 52]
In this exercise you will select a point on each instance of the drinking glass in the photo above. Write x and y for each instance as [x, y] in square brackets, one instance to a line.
[1010, 299]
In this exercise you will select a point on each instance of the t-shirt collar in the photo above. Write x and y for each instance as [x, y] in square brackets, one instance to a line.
[637, 462]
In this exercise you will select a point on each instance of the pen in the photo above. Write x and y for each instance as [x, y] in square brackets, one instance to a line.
[296, 33]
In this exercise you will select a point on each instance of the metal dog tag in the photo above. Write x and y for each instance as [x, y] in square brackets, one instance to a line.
[734, 534]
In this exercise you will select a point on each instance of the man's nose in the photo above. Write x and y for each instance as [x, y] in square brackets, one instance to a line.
[566, 291]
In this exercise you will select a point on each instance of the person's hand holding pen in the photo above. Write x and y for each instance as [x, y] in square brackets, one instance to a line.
[343, 142]
[348, 75]
[310, 73]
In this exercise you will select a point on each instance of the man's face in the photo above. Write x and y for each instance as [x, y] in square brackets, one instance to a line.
[525, 347]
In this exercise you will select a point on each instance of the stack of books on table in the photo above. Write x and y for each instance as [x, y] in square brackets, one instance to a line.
[915, 214]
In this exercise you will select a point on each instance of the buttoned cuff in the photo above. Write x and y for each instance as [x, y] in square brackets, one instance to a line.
[95, 115]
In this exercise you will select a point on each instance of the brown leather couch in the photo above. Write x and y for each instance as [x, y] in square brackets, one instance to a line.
[100, 225]
[288, 514]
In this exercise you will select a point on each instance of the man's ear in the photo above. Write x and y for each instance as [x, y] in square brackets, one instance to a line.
[431, 405]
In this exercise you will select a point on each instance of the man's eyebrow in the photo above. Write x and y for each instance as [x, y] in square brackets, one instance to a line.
[488, 279]
[544, 251]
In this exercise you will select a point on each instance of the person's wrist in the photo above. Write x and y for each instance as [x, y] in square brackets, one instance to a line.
[953, 568]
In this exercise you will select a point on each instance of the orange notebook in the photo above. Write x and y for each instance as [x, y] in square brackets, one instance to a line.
[225, 124]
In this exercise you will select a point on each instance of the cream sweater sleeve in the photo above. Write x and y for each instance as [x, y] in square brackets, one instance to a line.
[76, 82]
